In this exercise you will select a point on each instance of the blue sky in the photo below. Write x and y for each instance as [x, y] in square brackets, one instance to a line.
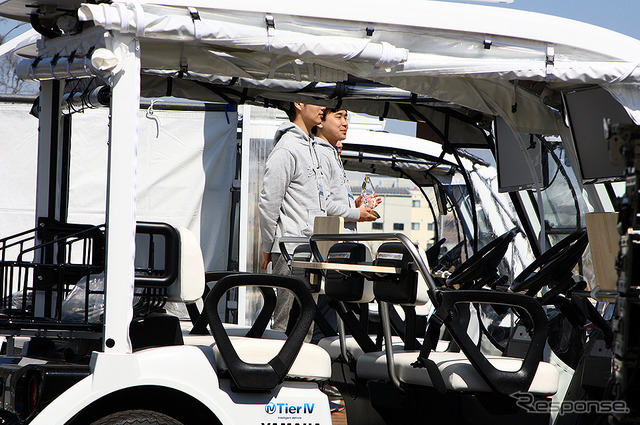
[6, 26]
[618, 15]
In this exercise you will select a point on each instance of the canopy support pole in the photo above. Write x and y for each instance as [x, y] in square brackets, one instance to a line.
[52, 189]
[121, 197]
[50, 199]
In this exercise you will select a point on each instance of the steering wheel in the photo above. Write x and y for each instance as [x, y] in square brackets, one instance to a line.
[433, 253]
[555, 266]
[482, 264]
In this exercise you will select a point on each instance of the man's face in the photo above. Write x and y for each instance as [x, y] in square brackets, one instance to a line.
[334, 127]
[311, 114]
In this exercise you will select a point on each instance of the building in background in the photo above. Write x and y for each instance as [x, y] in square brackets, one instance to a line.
[422, 229]
[404, 209]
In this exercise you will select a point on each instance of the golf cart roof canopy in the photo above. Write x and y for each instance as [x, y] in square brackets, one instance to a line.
[452, 66]
[370, 152]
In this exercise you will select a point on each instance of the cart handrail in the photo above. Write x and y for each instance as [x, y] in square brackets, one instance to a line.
[4, 245]
[355, 237]
[65, 239]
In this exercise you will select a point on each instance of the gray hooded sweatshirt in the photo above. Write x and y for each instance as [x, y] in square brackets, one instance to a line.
[293, 188]
[341, 201]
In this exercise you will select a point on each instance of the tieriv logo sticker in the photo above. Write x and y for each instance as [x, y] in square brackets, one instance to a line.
[289, 409]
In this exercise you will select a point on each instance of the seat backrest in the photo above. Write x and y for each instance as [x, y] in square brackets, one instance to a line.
[189, 285]
[303, 253]
[352, 287]
[407, 288]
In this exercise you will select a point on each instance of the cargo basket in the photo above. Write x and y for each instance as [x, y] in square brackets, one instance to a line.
[41, 266]
[52, 276]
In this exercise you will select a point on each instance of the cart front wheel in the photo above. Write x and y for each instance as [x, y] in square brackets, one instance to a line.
[137, 417]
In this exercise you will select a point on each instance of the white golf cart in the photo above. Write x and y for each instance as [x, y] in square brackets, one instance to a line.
[474, 77]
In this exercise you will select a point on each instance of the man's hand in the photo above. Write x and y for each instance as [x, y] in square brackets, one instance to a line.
[373, 200]
[267, 260]
[365, 214]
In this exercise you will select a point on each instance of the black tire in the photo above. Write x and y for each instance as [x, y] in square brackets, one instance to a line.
[137, 417]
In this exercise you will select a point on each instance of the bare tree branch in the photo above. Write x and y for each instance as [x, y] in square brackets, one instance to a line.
[9, 81]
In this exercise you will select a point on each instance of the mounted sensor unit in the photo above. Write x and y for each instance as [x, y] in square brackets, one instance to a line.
[587, 108]
[513, 170]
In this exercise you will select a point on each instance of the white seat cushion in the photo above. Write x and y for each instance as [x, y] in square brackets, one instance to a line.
[197, 339]
[457, 371]
[189, 284]
[232, 330]
[241, 330]
[312, 362]
[332, 345]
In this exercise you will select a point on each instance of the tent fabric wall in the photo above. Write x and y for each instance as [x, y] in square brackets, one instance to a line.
[18, 143]
[186, 165]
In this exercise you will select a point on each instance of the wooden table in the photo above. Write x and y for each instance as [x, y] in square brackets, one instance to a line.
[367, 270]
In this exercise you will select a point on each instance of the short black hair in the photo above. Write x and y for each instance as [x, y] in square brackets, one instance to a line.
[291, 111]
[329, 111]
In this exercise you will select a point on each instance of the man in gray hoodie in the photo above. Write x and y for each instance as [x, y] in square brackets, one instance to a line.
[293, 193]
[330, 134]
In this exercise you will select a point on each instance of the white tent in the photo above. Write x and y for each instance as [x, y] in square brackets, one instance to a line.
[186, 166]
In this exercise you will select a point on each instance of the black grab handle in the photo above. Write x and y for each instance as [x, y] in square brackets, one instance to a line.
[500, 381]
[251, 376]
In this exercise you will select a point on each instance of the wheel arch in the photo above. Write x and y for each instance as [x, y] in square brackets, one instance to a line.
[172, 402]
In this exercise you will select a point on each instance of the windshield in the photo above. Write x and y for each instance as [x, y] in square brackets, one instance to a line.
[563, 200]
[497, 215]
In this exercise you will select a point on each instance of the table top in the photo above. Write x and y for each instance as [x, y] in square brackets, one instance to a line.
[362, 268]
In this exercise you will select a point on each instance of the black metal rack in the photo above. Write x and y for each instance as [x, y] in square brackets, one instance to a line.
[40, 267]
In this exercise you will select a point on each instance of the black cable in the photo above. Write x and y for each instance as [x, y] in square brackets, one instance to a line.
[344, 378]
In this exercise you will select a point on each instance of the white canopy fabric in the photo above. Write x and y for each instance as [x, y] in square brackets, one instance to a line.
[469, 55]
[416, 38]
[466, 54]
